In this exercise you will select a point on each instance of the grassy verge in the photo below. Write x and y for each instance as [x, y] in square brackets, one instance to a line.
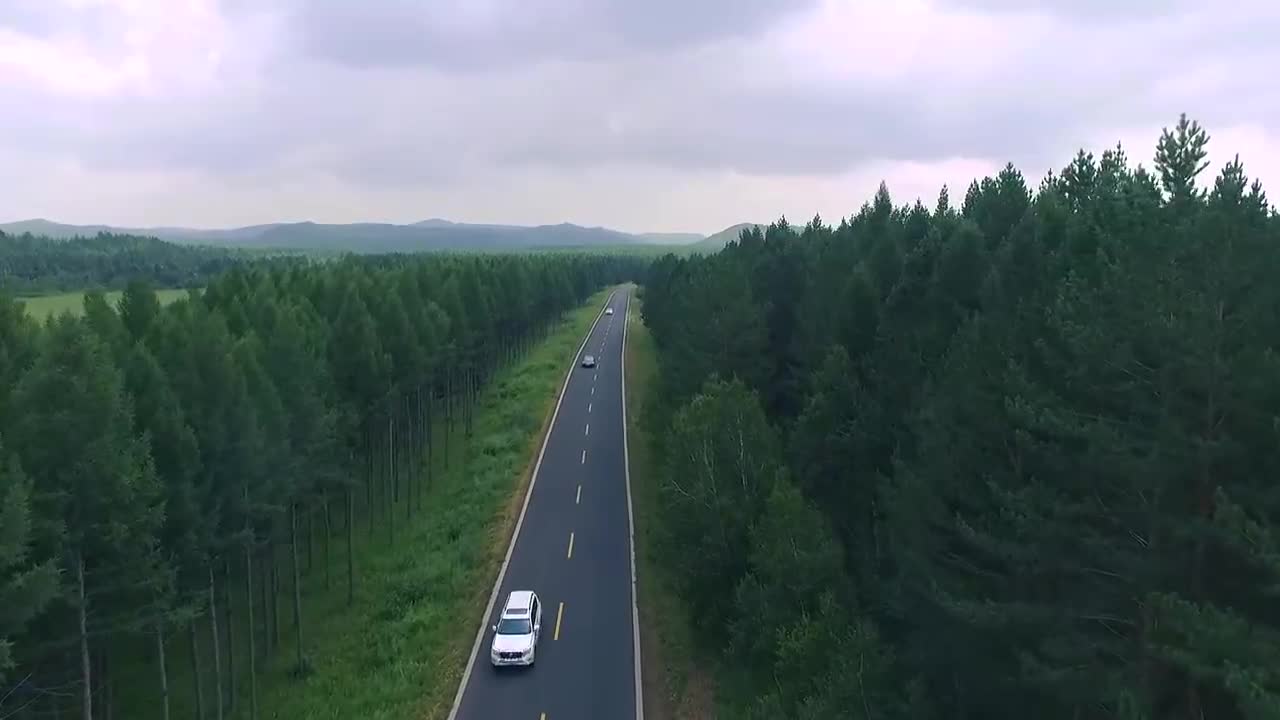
[399, 652]
[42, 306]
[677, 685]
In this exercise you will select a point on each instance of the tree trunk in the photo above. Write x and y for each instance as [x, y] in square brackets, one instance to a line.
[231, 654]
[448, 414]
[431, 438]
[108, 697]
[82, 613]
[248, 610]
[164, 671]
[368, 475]
[311, 535]
[213, 627]
[263, 584]
[195, 668]
[351, 567]
[388, 476]
[297, 590]
[412, 457]
[328, 533]
[275, 598]
[472, 391]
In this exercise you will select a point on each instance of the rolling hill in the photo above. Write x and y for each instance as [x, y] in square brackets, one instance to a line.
[715, 243]
[432, 234]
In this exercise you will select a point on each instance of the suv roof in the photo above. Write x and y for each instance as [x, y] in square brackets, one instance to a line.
[519, 601]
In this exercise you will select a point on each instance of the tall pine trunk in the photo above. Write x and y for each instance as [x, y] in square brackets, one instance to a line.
[431, 438]
[388, 474]
[230, 633]
[275, 597]
[368, 474]
[164, 670]
[109, 683]
[328, 534]
[311, 527]
[248, 611]
[415, 452]
[351, 567]
[213, 627]
[448, 414]
[263, 584]
[297, 590]
[82, 613]
[195, 668]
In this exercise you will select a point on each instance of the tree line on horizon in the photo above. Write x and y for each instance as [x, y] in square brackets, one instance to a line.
[157, 463]
[34, 265]
[1012, 458]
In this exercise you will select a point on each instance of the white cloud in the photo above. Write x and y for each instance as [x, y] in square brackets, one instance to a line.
[645, 116]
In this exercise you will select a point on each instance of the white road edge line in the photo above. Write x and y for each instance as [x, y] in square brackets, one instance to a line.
[515, 535]
[631, 523]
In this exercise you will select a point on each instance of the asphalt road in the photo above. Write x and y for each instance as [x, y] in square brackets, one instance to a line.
[573, 548]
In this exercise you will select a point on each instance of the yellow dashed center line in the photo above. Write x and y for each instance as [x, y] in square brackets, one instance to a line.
[570, 556]
[559, 616]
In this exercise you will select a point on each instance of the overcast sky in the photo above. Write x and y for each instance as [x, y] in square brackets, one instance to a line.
[643, 115]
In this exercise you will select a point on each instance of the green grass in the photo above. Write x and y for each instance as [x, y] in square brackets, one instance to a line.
[677, 683]
[400, 651]
[43, 306]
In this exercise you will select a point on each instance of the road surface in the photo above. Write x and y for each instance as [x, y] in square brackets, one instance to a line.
[573, 548]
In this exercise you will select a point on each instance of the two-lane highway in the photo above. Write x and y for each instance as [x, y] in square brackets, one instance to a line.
[572, 546]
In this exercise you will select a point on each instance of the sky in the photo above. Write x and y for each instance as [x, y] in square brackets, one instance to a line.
[640, 115]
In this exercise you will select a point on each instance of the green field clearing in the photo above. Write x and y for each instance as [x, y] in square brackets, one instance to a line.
[400, 651]
[42, 306]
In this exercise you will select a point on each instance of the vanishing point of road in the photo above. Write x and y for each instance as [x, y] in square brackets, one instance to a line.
[573, 546]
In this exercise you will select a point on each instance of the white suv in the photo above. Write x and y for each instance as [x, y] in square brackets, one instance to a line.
[515, 637]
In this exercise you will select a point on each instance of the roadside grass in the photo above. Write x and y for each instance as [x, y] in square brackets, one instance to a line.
[400, 651]
[42, 306]
[678, 684]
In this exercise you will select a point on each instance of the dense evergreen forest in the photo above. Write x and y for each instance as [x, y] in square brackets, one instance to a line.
[1015, 458]
[31, 265]
[155, 460]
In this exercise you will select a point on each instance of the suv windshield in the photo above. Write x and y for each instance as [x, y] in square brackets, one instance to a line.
[514, 626]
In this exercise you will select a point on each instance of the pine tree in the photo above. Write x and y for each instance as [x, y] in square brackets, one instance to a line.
[722, 460]
[27, 584]
[92, 473]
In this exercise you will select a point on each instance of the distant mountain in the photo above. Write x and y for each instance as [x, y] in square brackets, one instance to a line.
[671, 238]
[716, 242]
[431, 234]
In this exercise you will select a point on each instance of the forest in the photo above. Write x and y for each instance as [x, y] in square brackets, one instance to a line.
[1014, 457]
[32, 265]
[156, 460]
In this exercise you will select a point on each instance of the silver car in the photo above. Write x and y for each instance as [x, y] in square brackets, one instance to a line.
[515, 636]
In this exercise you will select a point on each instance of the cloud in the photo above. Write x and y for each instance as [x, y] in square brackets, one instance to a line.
[387, 108]
[487, 34]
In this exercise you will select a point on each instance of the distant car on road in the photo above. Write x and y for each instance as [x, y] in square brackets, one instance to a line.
[608, 311]
[515, 636]
[588, 361]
